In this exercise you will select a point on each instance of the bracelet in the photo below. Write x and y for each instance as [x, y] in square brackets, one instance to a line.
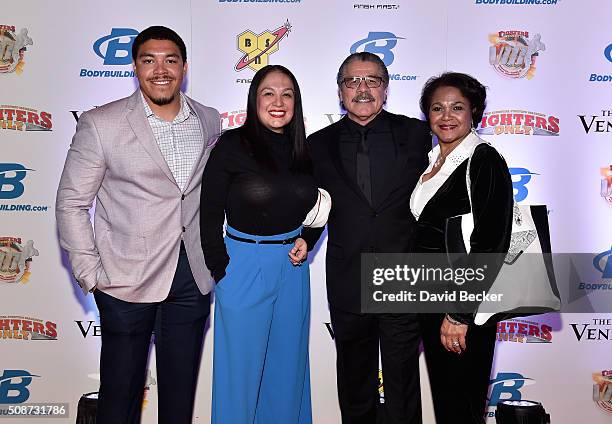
[452, 320]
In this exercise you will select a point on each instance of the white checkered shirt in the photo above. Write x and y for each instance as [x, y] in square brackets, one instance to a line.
[180, 141]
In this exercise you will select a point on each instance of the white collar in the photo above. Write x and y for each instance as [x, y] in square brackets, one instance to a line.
[459, 153]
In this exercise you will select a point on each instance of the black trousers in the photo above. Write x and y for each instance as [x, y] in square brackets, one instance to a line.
[459, 383]
[178, 323]
[357, 338]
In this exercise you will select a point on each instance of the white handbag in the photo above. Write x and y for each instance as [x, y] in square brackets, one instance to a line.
[526, 278]
[317, 217]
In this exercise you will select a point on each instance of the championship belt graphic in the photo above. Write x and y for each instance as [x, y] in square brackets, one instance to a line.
[606, 184]
[513, 53]
[602, 390]
[15, 259]
[12, 48]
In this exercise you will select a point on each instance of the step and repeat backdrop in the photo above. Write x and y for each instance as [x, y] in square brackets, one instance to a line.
[548, 67]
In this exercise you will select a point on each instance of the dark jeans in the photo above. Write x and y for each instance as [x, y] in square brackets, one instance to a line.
[357, 338]
[178, 323]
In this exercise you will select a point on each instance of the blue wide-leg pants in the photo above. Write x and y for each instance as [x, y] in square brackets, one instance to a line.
[262, 319]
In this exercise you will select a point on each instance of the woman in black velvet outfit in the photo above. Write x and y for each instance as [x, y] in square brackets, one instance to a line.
[259, 177]
[459, 353]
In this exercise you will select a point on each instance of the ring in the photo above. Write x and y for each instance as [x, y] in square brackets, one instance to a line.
[455, 343]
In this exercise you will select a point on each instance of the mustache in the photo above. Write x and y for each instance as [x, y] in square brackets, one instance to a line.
[363, 96]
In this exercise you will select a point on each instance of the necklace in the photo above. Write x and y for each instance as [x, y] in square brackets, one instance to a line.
[442, 158]
[439, 161]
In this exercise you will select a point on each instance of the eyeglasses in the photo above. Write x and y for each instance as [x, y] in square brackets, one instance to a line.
[354, 82]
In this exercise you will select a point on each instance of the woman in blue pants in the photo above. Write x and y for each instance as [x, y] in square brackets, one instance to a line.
[259, 177]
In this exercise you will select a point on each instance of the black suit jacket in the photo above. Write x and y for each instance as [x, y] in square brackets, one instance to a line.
[355, 226]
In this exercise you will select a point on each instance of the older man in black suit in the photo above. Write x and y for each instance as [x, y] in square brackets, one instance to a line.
[369, 162]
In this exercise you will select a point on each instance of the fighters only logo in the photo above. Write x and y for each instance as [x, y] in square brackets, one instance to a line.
[21, 118]
[523, 331]
[25, 328]
[232, 119]
[518, 122]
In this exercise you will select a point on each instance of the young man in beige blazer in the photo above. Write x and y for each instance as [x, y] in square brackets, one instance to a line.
[142, 159]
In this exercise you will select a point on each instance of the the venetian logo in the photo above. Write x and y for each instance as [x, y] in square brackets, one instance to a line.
[513, 53]
[257, 48]
[13, 45]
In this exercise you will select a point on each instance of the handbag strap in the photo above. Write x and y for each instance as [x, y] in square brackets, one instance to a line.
[468, 184]
[318, 206]
[516, 211]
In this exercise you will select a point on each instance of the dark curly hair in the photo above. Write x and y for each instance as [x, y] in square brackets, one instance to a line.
[470, 88]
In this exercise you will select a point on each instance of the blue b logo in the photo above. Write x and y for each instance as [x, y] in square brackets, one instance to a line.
[603, 264]
[519, 186]
[507, 386]
[11, 175]
[370, 45]
[114, 46]
[608, 52]
[13, 386]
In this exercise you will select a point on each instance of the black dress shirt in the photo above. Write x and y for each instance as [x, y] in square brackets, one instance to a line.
[379, 147]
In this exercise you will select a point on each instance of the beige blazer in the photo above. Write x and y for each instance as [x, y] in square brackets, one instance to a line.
[141, 215]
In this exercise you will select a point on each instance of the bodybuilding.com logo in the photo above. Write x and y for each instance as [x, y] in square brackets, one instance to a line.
[14, 386]
[608, 52]
[382, 44]
[595, 77]
[11, 175]
[519, 2]
[115, 49]
[603, 264]
[506, 386]
[520, 186]
[12, 187]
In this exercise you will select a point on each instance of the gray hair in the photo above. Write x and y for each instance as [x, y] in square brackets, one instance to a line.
[364, 57]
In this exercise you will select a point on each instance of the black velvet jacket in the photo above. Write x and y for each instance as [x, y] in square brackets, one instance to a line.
[492, 200]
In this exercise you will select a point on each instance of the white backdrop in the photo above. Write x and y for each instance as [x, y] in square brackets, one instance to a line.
[556, 359]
